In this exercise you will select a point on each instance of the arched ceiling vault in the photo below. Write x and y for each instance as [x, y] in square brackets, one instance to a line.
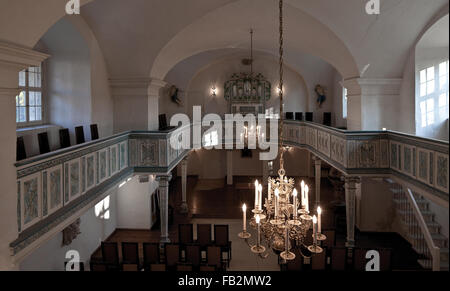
[148, 37]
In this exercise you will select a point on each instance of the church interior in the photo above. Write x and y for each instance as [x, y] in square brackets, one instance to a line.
[224, 135]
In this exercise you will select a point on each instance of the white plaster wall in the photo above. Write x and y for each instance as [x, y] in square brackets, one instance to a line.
[199, 163]
[130, 113]
[68, 78]
[50, 256]
[133, 204]
[376, 209]
[337, 116]
[441, 217]
[299, 88]
[30, 137]
[101, 101]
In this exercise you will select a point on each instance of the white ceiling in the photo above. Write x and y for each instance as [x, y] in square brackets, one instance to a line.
[149, 37]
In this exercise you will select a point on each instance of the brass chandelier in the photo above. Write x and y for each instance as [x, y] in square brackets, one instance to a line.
[282, 220]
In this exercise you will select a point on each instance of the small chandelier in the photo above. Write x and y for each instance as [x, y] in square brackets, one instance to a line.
[282, 220]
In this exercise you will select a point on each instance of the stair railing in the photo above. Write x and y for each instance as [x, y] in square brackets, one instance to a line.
[420, 229]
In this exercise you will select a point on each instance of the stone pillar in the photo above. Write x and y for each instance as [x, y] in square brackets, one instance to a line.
[139, 95]
[154, 92]
[318, 173]
[164, 206]
[229, 167]
[367, 98]
[13, 59]
[350, 206]
[184, 206]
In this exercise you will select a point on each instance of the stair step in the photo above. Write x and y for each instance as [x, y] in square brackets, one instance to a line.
[439, 240]
[428, 216]
[421, 203]
[433, 227]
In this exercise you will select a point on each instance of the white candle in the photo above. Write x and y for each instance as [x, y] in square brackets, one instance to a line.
[269, 188]
[256, 195]
[319, 220]
[306, 198]
[244, 222]
[260, 197]
[258, 220]
[277, 193]
[314, 230]
[302, 192]
[294, 194]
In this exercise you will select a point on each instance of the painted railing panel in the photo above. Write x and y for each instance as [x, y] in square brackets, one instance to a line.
[422, 162]
[49, 184]
[58, 184]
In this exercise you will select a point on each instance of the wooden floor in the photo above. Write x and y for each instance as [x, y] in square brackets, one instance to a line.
[215, 200]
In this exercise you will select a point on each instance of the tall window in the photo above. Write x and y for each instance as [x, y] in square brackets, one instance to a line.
[443, 90]
[434, 94]
[29, 100]
[344, 103]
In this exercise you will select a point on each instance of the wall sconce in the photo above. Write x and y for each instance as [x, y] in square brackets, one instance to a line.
[213, 91]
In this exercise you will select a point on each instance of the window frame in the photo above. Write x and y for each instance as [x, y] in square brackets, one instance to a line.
[431, 110]
[27, 89]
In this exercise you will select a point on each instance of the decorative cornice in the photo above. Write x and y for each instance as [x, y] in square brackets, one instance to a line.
[372, 87]
[9, 92]
[136, 86]
[20, 57]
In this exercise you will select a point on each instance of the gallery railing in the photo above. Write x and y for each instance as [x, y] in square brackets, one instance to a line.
[53, 187]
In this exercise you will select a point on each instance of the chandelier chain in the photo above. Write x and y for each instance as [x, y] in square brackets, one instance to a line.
[281, 52]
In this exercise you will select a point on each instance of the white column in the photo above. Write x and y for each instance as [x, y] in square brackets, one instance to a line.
[184, 206]
[229, 167]
[318, 172]
[140, 94]
[12, 60]
[154, 92]
[350, 206]
[374, 97]
[164, 206]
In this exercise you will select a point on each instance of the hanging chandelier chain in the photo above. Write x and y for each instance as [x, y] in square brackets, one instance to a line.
[251, 52]
[281, 86]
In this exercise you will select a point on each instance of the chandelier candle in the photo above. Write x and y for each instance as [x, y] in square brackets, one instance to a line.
[260, 197]
[315, 231]
[244, 219]
[269, 186]
[306, 198]
[319, 220]
[277, 195]
[295, 212]
[256, 195]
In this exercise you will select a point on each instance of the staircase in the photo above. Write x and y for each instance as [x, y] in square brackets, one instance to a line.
[411, 227]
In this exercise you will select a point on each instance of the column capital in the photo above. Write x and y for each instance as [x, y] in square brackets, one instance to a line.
[8, 92]
[351, 181]
[164, 180]
[317, 160]
[155, 86]
[19, 57]
[184, 161]
[373, 86]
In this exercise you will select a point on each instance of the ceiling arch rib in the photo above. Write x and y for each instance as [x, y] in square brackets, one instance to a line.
[216, 30]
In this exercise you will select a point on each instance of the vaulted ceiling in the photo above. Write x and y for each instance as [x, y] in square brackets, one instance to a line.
[149, 37]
